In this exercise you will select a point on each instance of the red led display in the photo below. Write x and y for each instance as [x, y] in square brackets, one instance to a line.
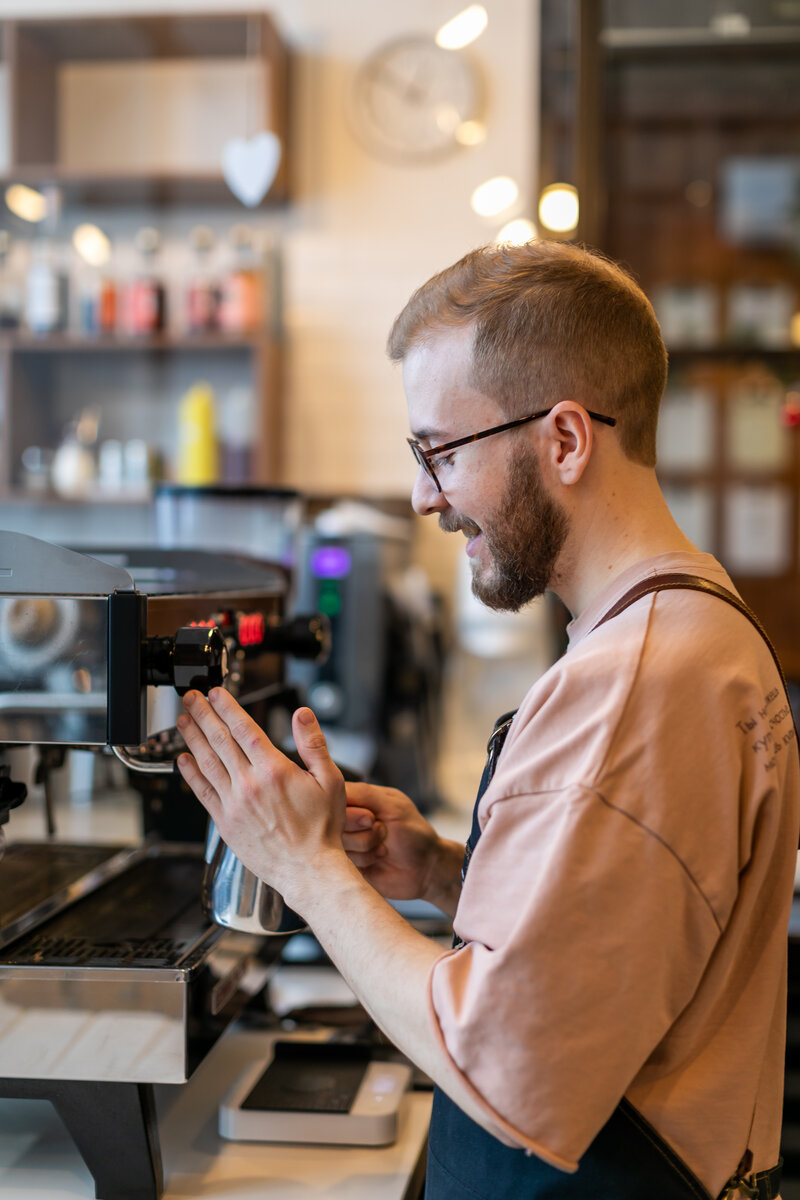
[251, 629]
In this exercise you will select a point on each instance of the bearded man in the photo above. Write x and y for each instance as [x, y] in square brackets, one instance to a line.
[610, 1022]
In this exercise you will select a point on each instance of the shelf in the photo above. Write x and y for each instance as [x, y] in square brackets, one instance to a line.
[21, 498]
[768, 353]
[697, 42]
[29, 343]
[158, 190]
[683, 123]
[66, 76]
[638, 114]
[132, 38]
[135, 112]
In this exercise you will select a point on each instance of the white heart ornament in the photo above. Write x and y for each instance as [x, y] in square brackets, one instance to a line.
[249, 167]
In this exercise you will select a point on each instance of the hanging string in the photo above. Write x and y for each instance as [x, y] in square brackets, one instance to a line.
[254, 107]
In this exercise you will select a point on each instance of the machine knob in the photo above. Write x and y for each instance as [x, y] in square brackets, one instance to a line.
[196, 657]
[306, 636]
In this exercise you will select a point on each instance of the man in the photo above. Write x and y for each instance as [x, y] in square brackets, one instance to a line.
[610, 1023]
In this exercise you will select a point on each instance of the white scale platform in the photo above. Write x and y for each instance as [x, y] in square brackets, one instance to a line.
[316, 1092]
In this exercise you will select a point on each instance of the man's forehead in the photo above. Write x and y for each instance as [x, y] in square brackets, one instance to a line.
[441, 395]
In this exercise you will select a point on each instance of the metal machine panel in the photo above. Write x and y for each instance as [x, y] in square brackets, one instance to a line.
[121, 983]
[53, 669]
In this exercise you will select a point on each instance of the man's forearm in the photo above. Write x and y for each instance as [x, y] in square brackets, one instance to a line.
[386, 962]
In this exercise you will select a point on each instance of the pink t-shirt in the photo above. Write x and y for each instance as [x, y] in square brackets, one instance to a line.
[625, 911]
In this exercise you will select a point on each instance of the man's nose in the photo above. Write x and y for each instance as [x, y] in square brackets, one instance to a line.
[425, 497]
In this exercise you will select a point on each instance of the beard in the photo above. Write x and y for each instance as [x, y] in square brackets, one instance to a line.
[524, 537]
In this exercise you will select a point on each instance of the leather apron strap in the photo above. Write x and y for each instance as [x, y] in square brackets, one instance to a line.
[692, 583]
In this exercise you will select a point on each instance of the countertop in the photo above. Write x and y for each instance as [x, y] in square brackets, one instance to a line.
[38, 1160]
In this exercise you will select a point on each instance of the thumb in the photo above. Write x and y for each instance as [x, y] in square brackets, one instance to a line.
[312, 747]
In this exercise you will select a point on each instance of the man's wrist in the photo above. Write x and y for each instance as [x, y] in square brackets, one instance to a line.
[314, 881]
[443, 887]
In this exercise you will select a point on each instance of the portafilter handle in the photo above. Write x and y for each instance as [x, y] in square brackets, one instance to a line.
[307, 636]
[195, 659]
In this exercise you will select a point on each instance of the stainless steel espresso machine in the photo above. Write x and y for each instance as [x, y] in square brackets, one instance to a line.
[112, 976]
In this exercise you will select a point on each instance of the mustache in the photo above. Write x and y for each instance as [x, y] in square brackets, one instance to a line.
[451, 522]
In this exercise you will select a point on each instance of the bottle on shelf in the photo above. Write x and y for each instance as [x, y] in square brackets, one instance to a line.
[93, 282]
[47, 288]
[197, 460]
[241, 298]
[237, 435]
[98, 305]
[201, 299]
[10, 289]
[74, 467]
[147, 299]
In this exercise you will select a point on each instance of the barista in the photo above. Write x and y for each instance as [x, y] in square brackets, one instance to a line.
[610, 1022]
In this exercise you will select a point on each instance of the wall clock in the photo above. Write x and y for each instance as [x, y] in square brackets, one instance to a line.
[410, 97]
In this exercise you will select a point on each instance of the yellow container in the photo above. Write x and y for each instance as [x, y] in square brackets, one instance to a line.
[198, 457]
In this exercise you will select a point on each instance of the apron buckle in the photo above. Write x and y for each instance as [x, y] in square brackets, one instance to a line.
[742, 1182]
[740, 1187]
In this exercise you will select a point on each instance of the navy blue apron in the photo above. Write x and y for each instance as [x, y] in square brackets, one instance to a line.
[628, 1159]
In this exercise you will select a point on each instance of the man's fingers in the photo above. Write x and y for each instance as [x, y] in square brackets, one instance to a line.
[207, 760]
[312, 747]
[205, 792]
[361, 795]
[223, 725]
[365, 840]
[364, 861]
[356, 818]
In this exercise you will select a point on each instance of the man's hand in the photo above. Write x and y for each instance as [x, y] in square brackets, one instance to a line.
[280, 820]
[397, 850]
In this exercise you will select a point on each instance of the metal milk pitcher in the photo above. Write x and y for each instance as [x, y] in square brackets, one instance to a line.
[236, 898]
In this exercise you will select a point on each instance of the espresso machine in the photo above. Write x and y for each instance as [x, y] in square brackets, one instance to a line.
[113, 977]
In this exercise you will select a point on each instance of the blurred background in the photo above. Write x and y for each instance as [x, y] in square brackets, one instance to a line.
[209, 219]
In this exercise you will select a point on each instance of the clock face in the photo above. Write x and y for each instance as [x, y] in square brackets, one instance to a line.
[411, 96]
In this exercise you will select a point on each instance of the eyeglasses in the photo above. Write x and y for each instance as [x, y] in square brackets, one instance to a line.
[424, 457]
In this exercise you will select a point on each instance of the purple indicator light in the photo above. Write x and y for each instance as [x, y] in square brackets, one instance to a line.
[331, 562]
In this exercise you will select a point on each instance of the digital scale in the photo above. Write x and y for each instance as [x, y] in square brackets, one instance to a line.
[325, 1092]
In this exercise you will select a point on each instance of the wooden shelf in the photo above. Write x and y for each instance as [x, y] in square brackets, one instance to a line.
[79, 94]
[643, 45]
[168, 342]
[752, 352]
[156, 190]
[109, 39]
[641, 114]
[37, 52]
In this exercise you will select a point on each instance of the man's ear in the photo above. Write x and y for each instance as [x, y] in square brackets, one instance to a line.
[571, 437]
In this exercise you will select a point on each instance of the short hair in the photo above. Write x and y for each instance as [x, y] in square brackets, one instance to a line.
[553, 321]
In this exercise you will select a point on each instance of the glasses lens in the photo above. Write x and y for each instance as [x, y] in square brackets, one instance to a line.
[423, 462]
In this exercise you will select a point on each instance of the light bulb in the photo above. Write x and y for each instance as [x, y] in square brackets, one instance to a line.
[92, 245]
[517, 232]
[558, 207]
[494, 196]
[464, 28]
[470, 133]
[26, 202]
